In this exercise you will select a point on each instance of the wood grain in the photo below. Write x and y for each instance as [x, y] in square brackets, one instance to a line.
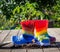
[52, 32]
[8, 39]
[35, 50]
[18, 50]
[51, 50]
[1, 31]
[4, 50]
[57, 35]
[3, 35]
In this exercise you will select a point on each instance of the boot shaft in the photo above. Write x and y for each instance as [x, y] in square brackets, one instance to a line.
[34, 27]
[28, 27]
[40, 27]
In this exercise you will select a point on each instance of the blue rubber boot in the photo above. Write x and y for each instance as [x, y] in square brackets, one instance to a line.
[23, 39]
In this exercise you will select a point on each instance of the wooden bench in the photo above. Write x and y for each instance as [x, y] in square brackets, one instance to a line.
[7, 46]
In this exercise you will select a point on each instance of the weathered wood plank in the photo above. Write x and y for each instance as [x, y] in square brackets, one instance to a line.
[4, 50]
[12, 33]
[51, 50]
[1, 31]
[18, 50]
[35, 50]
[52, 32]
[20, 33]
[3, 35]
[57, 31]
[8, 39]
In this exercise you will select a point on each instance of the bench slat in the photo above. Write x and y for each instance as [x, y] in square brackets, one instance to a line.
[18, 50]
[4, 50]
[35, 50]
[52, 32]
[8, 39]
[57, 35]
[51, 50]
[1, 31]
[3, 35]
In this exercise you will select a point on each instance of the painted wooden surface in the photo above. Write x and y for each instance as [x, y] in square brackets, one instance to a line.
[7, 46]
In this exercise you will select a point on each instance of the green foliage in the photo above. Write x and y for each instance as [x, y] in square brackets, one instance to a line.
[4, 23]
[27, 11]
[13, 11]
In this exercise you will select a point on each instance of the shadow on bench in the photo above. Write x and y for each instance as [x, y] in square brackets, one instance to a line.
[30, 46]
